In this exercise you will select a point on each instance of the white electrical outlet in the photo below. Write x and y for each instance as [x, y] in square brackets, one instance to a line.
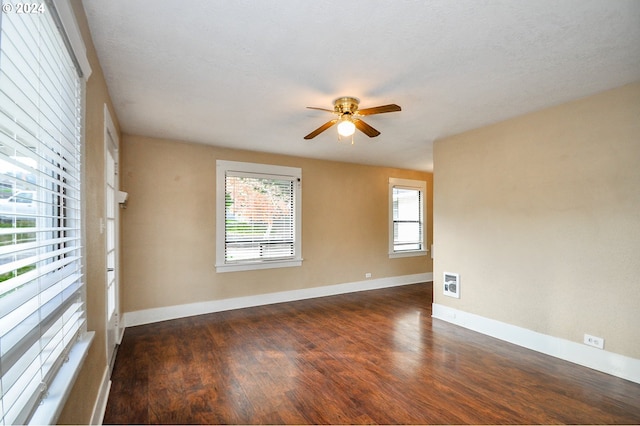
[596, 342]
[367, 275]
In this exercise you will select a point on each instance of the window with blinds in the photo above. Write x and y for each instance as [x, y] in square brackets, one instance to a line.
[407, 228]
[41, 280]
[258, 216]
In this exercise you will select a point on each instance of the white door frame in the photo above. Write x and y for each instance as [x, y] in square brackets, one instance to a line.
[113, 327]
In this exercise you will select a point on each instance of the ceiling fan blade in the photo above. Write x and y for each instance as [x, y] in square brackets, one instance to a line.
[321, 109]
[366, 129]
[321, 129]
[379, 109]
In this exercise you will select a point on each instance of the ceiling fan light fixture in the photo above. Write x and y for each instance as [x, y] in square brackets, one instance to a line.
[348, 120]
[346, 127]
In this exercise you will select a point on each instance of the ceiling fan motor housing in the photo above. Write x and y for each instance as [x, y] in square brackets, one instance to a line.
[346, 105]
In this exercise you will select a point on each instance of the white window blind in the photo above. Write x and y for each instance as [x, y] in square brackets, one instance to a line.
[260, 214]
[41, 282]
[407, 232]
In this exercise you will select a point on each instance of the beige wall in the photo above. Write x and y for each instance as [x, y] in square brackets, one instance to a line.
[540, 215]
[168, 227]
[80, 404]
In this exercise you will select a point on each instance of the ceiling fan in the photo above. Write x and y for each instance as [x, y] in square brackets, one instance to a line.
[346, 108]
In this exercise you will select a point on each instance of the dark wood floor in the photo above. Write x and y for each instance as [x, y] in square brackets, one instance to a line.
[361, 358]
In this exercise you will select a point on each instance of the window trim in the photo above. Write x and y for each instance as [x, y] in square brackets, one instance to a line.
[65, 14]
[222, 167]
[421, 186]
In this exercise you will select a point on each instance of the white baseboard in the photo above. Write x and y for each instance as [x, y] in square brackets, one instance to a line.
[577, 353]
[100, 405]
[148, 316]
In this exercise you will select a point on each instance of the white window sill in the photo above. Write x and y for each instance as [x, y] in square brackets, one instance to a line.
[407, 254]
[236, 267]
[49, 410]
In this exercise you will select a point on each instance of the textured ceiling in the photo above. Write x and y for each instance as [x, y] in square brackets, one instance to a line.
[240, 73]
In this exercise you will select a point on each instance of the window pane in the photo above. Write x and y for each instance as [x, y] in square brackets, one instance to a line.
[258, 219]
[407, 235]
[407, 219]
[406, 204]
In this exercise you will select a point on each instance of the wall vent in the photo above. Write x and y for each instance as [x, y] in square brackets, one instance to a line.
[451, 284]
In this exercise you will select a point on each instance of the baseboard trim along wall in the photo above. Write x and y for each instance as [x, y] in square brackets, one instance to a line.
[577, 353]
[100, 406]
[149, 316]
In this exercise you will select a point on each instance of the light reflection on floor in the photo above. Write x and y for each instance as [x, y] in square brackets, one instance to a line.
[407, 342]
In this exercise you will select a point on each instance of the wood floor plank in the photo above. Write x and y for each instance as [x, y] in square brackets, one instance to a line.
[374, 357]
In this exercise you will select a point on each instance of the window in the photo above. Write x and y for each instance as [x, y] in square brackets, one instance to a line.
[258, 216]
[42, 308]
[407, 234]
